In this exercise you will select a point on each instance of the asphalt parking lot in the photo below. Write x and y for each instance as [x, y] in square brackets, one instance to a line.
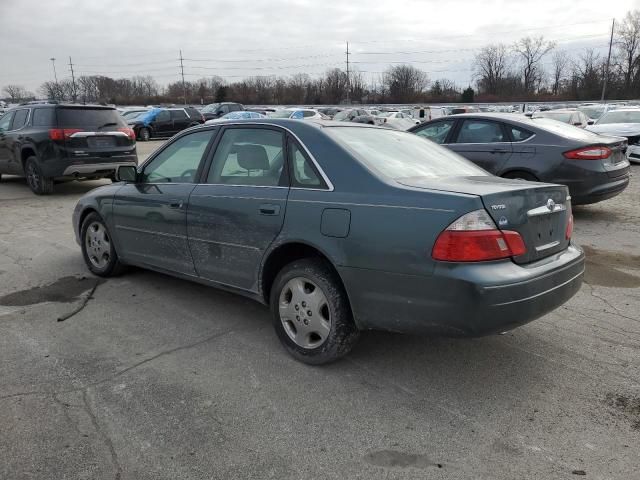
[159, 378]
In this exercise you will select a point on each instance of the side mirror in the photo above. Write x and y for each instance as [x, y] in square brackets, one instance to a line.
[127, 173]
[590, 122]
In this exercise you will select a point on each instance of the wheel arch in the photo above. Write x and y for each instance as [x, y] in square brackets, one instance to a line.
[25, 152]
[528, 171]
[285, 253]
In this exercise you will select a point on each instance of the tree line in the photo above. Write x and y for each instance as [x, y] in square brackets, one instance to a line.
[530, 69]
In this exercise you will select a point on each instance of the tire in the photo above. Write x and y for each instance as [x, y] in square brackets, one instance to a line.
[144, 135]
[329, 332]
[38, 183]
[520, 176]
[97, 248]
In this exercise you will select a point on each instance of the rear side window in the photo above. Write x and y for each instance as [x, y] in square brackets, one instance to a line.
[43, 117]
[520, 134]
[248, 157]
[89, 117]
[234, 108]
[304, 173]
[19, 119]
[308, 113]
[178, 114]
[480, 131]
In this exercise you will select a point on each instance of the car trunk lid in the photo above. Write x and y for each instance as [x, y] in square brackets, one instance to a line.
[539, 212]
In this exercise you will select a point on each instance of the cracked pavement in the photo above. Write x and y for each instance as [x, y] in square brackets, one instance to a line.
[158, 378]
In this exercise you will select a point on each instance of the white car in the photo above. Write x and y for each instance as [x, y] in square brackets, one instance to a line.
[398, 120]
[624, 122]
[299, 113]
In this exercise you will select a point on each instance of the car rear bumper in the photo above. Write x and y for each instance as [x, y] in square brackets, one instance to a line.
[464, 299]
[87, 166]
[583, 195]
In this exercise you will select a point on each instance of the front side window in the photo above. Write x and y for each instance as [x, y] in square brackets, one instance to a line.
[480, 131]
[19, 119]
[436, 132]
[520, 134]
[248, 156]
[308, 113]
[179, 162]
[5, 121]
[304, 173]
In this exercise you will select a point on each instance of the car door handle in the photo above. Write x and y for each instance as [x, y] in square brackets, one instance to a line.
[269, 209]
[176, 204]
[499, 150]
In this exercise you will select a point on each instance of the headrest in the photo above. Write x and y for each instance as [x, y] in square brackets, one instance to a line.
[252, 157]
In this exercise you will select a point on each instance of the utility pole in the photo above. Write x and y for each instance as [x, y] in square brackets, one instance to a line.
[73, 80]
[184, 88]
[348, 80]
[55, 75]
[606, 73]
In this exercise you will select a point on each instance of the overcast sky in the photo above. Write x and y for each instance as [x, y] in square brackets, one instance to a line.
[239, 38]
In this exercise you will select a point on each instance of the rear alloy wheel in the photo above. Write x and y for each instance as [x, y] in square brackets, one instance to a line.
[311, 313]
[520, 176]
[97, 248]
[38, 183]
[144, 135]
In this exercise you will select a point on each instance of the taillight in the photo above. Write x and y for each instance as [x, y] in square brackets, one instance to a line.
[129, 131]
[62, 133]
[589, 153]
[474, 237]
[569, 230]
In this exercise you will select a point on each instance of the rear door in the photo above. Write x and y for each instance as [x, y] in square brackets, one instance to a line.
[238, 210]
[484, 142]
[180, 120]
[163, 124]
[150, 215]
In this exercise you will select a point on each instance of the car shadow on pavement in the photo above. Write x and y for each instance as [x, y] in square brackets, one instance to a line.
[18, 185]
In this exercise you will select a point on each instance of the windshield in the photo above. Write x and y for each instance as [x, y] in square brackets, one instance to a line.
[211, 108]
[560, 116]
[620, 116]
[281, 114]
[342, 115]
[133, 114]
[592, 112]
[89, 117]
[397, 154]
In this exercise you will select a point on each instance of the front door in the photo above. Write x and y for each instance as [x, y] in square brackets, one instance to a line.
[484, 142]
[150, 215]
[237, 212]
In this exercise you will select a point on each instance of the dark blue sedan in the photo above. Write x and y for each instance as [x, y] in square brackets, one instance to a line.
[339, 228]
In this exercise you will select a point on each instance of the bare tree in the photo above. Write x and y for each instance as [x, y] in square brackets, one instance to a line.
[627, 43]
[405, 83]
[560, 63]
[491, 67]
[531, 51]
[15, 92]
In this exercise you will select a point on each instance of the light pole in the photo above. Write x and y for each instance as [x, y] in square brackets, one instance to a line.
[55, 75]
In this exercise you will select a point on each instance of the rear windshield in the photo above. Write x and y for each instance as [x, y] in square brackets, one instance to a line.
[560, 116]
[397, 154]
[567, 131]
[89, 117]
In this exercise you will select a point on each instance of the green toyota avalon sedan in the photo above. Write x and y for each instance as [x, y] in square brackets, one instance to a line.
[338, 228]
